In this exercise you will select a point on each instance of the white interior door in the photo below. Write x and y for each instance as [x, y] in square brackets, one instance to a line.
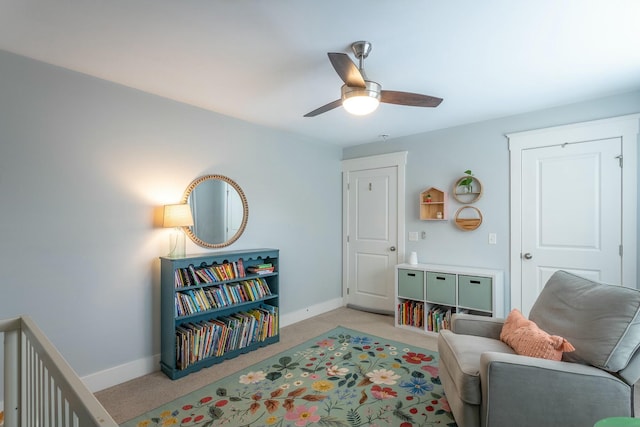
[571, 213]
[574, 204]
[373, 244]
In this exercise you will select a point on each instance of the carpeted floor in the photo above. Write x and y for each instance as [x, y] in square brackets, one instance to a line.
[342, 377]
[136, 397]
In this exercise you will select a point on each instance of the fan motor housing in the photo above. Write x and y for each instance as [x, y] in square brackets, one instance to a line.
[371, 89]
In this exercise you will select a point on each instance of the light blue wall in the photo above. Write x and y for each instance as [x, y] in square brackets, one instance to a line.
[84, 164]
[437, 159]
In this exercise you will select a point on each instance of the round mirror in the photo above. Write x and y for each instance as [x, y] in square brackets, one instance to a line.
[220, 211]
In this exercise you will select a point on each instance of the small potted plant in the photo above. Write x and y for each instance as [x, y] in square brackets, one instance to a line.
[427, 198]
[467, 182]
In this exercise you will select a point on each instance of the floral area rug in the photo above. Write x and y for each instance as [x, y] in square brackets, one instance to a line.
[342, 378]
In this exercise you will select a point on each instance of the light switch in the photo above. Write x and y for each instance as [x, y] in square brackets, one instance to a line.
[413, 236]
[493, 239]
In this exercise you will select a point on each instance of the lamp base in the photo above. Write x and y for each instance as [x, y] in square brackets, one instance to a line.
[177, 243]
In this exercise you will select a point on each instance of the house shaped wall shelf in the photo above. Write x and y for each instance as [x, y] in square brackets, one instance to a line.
[433, 205]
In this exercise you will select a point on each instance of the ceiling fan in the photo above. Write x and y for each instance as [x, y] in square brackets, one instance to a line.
[360, 95]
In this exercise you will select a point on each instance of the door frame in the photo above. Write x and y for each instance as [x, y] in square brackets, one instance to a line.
[398, 160]
[623, 127]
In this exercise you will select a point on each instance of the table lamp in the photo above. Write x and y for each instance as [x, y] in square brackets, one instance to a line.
[177, 216]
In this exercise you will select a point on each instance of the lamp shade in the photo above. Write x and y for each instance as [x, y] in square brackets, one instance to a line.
[177, 216]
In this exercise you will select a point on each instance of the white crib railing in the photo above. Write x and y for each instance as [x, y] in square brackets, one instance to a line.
[40, 388]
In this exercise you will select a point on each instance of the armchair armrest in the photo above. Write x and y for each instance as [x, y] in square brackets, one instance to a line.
[527, 391]
[481, 326]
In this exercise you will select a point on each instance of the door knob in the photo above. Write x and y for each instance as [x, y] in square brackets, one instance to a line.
[527, 256]
[392, 248]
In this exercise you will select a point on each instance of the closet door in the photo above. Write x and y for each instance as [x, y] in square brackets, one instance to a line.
[573, 204]
[571, 214]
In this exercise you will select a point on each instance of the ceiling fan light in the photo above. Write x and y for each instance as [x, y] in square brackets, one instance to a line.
[361, 101]
[360, 105]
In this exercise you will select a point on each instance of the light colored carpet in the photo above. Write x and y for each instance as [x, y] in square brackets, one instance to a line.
[128, 400]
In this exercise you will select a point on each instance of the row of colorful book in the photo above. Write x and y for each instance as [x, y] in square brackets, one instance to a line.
[215, 337]
[202, 299]
[411, 313]
[438, 318]
[191, 276]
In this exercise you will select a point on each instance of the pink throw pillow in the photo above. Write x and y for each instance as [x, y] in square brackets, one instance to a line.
[527, 339]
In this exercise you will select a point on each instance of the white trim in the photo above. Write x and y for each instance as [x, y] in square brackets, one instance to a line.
[625, 127]
[128, 371]
[398, 160]
[375, 162]
[309, 312]
[121, 373]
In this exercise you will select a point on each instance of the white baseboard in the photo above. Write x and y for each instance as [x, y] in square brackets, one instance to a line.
[128, 371]
[314, 310]
[122, 373]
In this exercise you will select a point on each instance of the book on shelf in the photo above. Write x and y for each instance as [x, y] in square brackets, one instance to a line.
[261, 268]
[192, 301]
[200, 340]
[241, 271]
[438, 318]
[192, 275]
[411, 313]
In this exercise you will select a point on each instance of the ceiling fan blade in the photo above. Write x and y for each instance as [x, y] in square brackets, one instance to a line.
[325, 108]
[408, 98]
[346, 69]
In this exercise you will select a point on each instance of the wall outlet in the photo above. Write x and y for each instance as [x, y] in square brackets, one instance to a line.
[493, 238]
[413, 236]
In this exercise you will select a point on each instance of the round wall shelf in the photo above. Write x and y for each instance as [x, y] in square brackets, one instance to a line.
[468, 218]
[467, 193]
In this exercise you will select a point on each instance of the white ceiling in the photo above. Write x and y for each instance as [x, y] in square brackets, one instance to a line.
[264, 61]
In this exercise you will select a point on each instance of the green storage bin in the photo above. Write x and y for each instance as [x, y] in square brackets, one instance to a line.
[411, 284]
[441, 288]
[475, 292]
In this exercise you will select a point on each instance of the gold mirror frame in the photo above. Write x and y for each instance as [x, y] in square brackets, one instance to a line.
[467, 224]
[245, 210]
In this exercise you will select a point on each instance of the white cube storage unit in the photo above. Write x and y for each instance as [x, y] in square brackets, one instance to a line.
[428, 294]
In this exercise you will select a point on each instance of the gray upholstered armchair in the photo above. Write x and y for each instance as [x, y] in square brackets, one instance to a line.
[487, 384]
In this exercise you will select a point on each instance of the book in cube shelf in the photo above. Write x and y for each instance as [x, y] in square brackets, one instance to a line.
[411, 313]
[438, 317]
[215, 337]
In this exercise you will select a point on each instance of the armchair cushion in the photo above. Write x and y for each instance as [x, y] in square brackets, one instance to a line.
[460, 355]
[601, 321]
[527, 339]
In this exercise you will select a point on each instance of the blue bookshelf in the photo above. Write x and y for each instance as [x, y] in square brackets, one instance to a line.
[213, 309]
